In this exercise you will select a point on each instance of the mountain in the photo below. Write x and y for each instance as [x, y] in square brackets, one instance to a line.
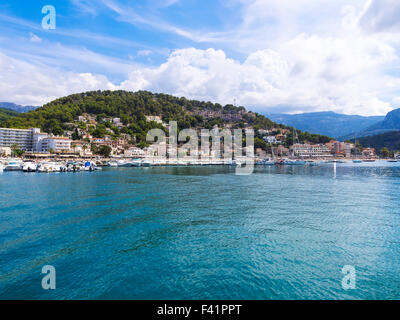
[390, 140]
[327, 123]
[390, 123]
[6, 114]
[16, 107]
[133, 107]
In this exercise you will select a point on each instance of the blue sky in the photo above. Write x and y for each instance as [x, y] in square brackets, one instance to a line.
[270, 56]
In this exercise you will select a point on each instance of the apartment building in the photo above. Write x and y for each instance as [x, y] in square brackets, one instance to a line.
[307, 150]
[32, 140]
[57, 144]
[23, 138]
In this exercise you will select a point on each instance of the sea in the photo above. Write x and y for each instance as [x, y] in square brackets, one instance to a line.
[330, 231]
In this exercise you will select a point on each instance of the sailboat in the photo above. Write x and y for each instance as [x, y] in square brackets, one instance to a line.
[355, 147]
[295, 162]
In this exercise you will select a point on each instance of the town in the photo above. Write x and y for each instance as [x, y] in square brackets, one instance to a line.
[104, 138]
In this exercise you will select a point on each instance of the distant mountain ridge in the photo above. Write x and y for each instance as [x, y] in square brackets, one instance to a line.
[16, 107]
[390, 123]
[326, 123]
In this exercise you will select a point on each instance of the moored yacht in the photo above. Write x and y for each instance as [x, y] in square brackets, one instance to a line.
[29, 166]
[136, 163]
[14, 165]
[112, 163]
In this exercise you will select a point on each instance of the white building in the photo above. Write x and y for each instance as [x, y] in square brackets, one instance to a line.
[307, 150]
[20, 137]
[32, 140]
[154, 118]
[5, 151]
[57, 144]
[270, 139]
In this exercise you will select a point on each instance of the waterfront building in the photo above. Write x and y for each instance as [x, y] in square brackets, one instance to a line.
[369, 152]
[32, 140]
[5, 151]
[20, 137]
[309, 151]
[57, 144]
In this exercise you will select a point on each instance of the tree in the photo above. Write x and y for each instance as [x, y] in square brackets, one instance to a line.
[104, 151]
[75, 135]
[259, 143]
[385, 152]
[16, 151]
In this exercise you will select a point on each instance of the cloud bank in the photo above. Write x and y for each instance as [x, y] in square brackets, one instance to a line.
[345, 59]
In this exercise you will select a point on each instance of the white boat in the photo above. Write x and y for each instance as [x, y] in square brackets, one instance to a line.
[124, 163]
[393, 160]
[14, 165]
[236, 163]
[136, 163]
[29, 166]
[268, 162]
[112, 163]
[1, 167]
[147, 163]
[291, 162]
[45, 167]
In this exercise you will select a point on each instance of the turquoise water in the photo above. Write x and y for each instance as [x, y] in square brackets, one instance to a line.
[202, 233]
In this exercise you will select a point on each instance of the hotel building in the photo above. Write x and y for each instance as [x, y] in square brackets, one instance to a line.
[33, 140]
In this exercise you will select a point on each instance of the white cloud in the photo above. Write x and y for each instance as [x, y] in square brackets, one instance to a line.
[34, 38]
[309, 74]
[296, 57]
[381, 16]
[26, 83]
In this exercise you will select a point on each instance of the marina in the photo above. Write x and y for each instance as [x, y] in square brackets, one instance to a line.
[52, 165]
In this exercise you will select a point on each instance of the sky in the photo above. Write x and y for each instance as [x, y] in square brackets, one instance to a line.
[270, 56]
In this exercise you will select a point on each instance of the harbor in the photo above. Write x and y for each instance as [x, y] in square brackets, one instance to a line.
[78, 165]
[201, 232]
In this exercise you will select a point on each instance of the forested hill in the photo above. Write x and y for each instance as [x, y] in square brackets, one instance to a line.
[390, 140]
[133, 107]
[6, 114]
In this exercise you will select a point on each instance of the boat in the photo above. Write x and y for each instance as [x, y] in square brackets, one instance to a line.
[124, 164]
[312, 163]
[29, 166]
[236, 163]
[1, 167]
[112, 163]
[357, 161]
[393, 160]
[45, 167]
[14, 165]
[146, 163]
[369, 160]
[292, 162]
[267, 162]
[336, 161]
[136, 162]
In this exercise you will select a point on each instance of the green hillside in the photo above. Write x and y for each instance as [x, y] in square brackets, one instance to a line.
[133, 107]
[6, 114]
[390, 140]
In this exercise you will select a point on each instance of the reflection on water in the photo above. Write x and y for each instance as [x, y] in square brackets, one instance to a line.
[284, 232]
